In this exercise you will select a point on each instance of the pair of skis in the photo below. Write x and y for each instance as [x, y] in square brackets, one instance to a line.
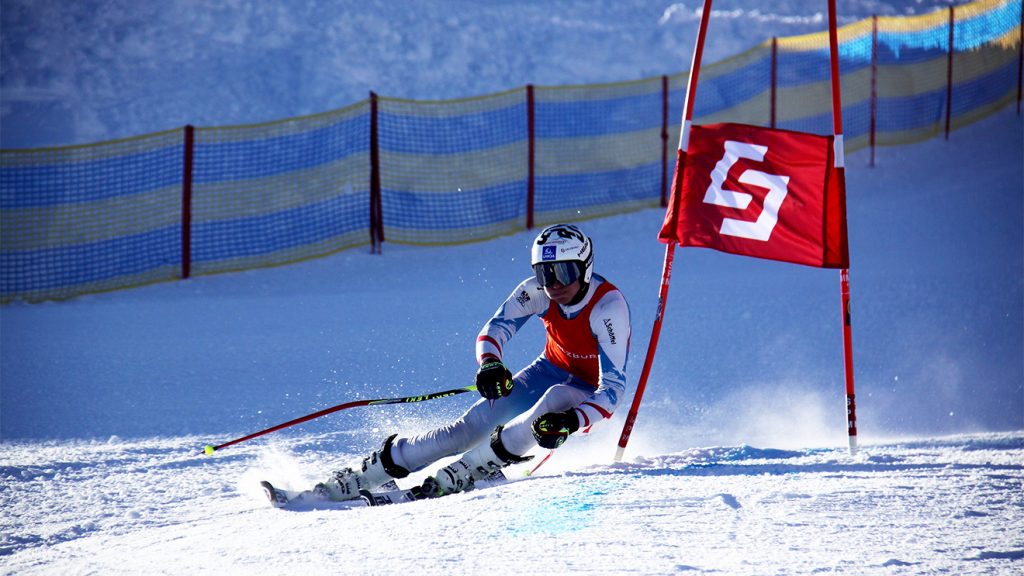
[390, 493]
[309, 500]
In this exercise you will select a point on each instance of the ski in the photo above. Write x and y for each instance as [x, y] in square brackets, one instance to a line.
[386, 496]
[391, 496]
[389, 493]
[277, 498]
[310, 499]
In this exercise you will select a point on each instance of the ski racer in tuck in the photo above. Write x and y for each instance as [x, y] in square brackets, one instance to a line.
[577, 381]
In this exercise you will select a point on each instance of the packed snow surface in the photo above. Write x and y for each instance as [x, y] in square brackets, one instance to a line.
[738, 462]
[951, 505]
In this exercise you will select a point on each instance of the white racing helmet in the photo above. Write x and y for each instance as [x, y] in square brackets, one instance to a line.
[564, 253]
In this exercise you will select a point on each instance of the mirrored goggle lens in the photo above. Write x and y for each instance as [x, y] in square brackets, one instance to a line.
[564, 273]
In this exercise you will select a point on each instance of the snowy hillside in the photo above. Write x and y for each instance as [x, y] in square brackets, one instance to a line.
[78, 72]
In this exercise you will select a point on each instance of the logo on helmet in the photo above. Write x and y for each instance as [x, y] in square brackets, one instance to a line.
[563, 231]
[550, 253]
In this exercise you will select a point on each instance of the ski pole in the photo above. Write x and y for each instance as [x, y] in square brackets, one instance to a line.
[210, 449]
[541, 463]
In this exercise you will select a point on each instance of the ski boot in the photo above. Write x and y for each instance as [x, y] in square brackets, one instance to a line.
[378, 471]
[477, 464]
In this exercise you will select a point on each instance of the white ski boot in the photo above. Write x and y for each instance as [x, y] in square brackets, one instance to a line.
[378, 471]
[477, 464]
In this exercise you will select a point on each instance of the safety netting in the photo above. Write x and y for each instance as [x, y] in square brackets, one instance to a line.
[453, 171]
[598, 149]
[273, 193]
[115, 214]
[90, 218]
[904, 79]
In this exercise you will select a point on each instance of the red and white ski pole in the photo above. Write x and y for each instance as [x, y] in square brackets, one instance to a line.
[210, 449]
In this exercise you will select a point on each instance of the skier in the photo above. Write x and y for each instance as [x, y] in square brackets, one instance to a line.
[576, 382]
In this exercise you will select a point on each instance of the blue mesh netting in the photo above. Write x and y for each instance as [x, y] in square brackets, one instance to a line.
[88, 180]
[278, 193]
[453, 171]
[53, 269]
[90, 218]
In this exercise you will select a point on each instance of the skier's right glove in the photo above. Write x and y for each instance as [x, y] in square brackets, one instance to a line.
[493, 380]
[552, 429]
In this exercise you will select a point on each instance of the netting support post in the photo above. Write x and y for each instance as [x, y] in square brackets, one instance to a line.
[775, 78]
[376, 207]
[186, 203]
[531, 147]
[874, 84]
[949, 76]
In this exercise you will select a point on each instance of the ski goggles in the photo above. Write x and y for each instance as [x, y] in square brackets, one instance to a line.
[564, 273]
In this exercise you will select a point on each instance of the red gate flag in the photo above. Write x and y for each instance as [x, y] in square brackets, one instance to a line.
[760, 192]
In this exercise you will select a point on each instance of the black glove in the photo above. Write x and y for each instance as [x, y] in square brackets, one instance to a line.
[493, 380]
[553, 428]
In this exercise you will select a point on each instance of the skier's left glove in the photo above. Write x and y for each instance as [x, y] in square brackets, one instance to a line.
[552, 429]
[493, 380]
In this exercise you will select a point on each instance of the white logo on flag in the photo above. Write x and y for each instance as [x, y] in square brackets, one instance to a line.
[777, 186]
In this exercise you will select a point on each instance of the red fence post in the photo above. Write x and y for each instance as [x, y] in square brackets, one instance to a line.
[775, 72]
[874, 83]
[949, 76]
[186, 204]
[531, 135]
[664, 141]
[376, 218]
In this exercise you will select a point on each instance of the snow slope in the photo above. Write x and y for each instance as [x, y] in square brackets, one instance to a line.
[951, 505]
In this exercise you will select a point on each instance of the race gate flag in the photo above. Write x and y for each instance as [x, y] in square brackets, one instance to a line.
[761, 192]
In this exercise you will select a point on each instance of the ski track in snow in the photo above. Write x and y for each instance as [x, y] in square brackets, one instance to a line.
[951, 504]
